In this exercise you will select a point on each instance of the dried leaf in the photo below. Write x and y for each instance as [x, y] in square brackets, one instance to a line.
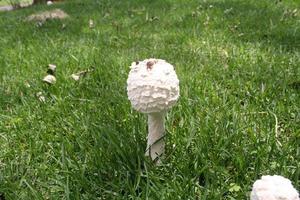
[91, 23]
[78, 75]
[40, 97]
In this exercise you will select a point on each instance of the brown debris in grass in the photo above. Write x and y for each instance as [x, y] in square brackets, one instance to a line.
[52, 14]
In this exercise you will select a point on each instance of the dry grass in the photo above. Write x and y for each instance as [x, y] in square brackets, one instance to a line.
[52, 14]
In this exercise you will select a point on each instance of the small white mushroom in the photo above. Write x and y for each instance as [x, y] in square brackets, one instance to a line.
[49, 3]
[50, 79]
[51, 69]
[273, 188]
[153, 88]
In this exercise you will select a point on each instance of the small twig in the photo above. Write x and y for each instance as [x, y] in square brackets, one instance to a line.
[149, 148]
[253, 113]
[159, 139]
[80, 74]
[276, 123]
[276, 128]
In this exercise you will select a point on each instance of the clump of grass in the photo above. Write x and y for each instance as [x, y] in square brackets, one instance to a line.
[15, 3]
[237, 63]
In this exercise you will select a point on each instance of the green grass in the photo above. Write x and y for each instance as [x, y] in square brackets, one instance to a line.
[239, 68]
[8, 2]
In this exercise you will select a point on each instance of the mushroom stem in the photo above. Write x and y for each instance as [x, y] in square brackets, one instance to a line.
[156, 143]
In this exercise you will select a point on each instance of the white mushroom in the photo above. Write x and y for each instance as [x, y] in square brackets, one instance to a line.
[153, 88]
[50, 79]
[273, 188]
[52, 68]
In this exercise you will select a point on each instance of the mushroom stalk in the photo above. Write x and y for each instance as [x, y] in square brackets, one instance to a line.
[156, 142]
[153, 89]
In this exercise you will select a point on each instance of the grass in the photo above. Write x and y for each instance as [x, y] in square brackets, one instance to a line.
[237, 119]
[8, 2]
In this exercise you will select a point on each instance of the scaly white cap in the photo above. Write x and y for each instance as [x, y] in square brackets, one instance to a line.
[152, 86]
[274, 188]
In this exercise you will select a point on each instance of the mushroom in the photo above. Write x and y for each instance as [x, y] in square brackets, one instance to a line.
[50, 79]
[153, 88]
[51, 69]
[273, 188]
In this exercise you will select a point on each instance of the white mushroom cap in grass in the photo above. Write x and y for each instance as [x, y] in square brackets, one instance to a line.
[274, 188]
[50, 79]
[153, 88]
[52, 67]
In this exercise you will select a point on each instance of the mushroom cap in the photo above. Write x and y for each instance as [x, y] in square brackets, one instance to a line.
[50, 79]
[274, 188]
[152, 86]
[52, 67]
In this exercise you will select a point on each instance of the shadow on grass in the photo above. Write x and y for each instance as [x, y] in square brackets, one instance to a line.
[2, 197]
[253, 21]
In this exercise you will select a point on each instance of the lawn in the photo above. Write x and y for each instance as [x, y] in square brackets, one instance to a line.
[238, 116]
[8, 2]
